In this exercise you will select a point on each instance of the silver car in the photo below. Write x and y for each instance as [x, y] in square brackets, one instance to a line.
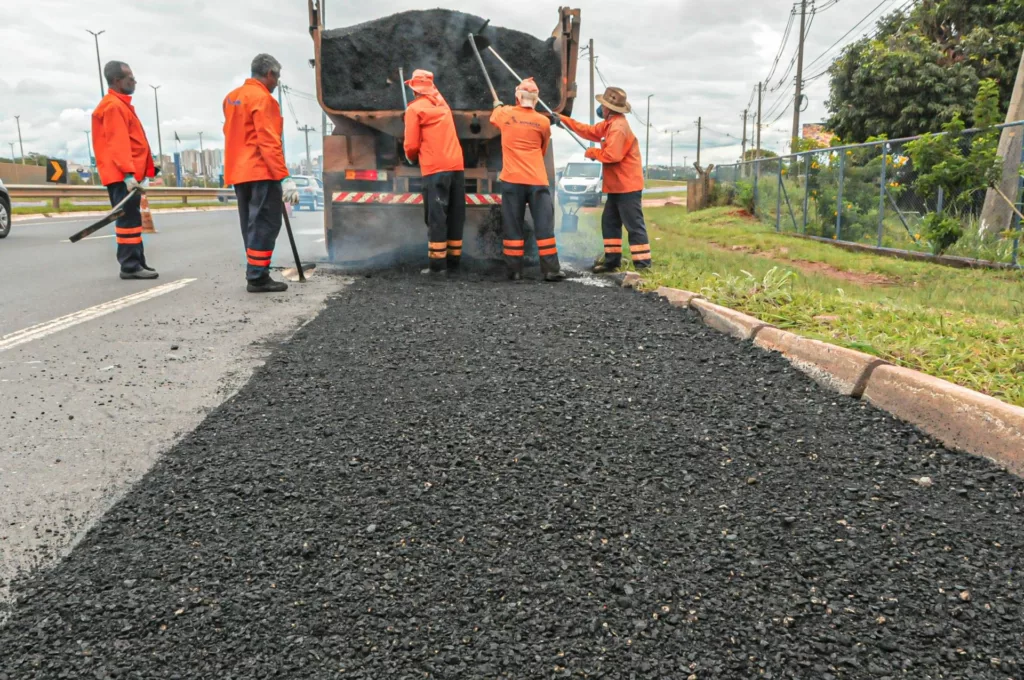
[5, 211]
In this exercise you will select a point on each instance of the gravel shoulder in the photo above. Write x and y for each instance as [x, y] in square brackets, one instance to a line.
[481, 479]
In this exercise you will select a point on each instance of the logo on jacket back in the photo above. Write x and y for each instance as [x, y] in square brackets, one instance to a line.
[235, 102]
[515, 121]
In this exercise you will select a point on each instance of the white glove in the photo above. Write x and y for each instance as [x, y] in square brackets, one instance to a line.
[291, 191]
[131, 183]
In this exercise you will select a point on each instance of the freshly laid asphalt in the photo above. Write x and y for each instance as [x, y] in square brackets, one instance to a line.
[477, 479]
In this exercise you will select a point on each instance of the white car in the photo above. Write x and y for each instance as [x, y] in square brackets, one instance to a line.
[582, 182]
[5, 211]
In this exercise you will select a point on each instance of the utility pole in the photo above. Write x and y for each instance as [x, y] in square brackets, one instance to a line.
[671, 152]
[12, 152]
[202, 158]
[593, 94]
[159, 137]
[798, 99]
[997, 215]
[743, 157]
[700, 127]
[760, 95]
[309, 162]
[647, 153]
[20, 145]
[99, 69]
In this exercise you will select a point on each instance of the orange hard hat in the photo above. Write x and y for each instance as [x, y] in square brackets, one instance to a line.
[528, 85]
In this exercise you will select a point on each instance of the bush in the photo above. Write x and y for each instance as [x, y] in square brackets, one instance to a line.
[942, 231]
[744, 196]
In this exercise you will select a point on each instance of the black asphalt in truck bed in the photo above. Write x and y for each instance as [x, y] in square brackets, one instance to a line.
[483, 480]
[360, 63]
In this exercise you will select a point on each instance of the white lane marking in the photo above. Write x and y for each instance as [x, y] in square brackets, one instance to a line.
[46, 328]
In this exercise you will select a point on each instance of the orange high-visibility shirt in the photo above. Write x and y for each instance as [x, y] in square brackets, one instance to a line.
[525, 136]
[619, 152]
[253, 126]
[430, 136]
[119, 142]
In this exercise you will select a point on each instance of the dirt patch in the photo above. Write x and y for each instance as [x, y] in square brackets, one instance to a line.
[808, 267]
[663, 202]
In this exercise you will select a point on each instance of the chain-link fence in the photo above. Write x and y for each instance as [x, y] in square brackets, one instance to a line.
[869, 194]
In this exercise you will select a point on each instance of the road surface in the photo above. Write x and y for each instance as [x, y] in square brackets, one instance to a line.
[88, 402]
[479, 479]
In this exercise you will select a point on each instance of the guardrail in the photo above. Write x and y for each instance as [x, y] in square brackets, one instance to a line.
[58, 192]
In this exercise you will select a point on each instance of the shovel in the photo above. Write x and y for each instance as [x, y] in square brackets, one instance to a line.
[299, 273]
[487, 46]
[475, 43]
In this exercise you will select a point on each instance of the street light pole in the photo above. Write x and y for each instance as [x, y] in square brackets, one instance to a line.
[647, 153]
[88, 156]
[99, 69]
[202, 158]
[20, 145]
[159, 138]
[12, 152]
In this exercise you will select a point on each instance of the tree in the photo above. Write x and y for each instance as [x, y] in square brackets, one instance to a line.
[752, 154]
[923, 67]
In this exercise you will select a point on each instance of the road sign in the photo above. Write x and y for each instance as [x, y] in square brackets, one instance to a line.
[57, 171]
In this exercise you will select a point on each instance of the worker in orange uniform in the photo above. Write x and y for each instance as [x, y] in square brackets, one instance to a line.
[525, 137]
[254, 164]
[623, 179]
[430, 137]
[125, 164]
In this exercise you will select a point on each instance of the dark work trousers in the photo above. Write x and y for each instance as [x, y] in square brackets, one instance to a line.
[514, 199]
[619, 210]
[444, 203]
[260, 205]
[128, 229]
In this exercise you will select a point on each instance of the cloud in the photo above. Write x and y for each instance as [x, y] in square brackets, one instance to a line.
[698, 58]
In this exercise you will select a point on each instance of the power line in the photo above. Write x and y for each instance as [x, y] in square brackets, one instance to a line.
[825, 71]
[847, 34]
[782, 47]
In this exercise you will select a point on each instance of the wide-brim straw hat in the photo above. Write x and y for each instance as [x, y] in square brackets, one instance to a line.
[614, 99]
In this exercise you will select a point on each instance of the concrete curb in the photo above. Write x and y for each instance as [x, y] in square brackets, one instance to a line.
[843, 370]
[958, 417]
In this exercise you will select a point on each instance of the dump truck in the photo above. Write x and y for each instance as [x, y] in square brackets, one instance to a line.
[375, 212]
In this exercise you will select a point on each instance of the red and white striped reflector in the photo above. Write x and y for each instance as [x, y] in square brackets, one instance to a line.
[407, 199]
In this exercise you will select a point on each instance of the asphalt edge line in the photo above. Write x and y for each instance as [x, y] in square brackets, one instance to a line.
[959, 417]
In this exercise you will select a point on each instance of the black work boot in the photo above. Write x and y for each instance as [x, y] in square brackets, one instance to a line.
[139, 274]
[265, 284]
[555, 277]
[602, 268]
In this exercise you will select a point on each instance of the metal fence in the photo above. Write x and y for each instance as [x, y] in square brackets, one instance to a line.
[863, 193]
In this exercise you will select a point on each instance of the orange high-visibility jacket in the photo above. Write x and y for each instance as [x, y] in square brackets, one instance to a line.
[119, 142]
[619, 152]
[430, 136]
[525, 136]
[253, 126]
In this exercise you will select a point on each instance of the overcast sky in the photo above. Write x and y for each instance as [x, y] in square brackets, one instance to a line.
[698, 58]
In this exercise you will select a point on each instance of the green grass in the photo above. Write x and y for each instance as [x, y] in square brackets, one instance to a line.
[72, 208]
[960, 325]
